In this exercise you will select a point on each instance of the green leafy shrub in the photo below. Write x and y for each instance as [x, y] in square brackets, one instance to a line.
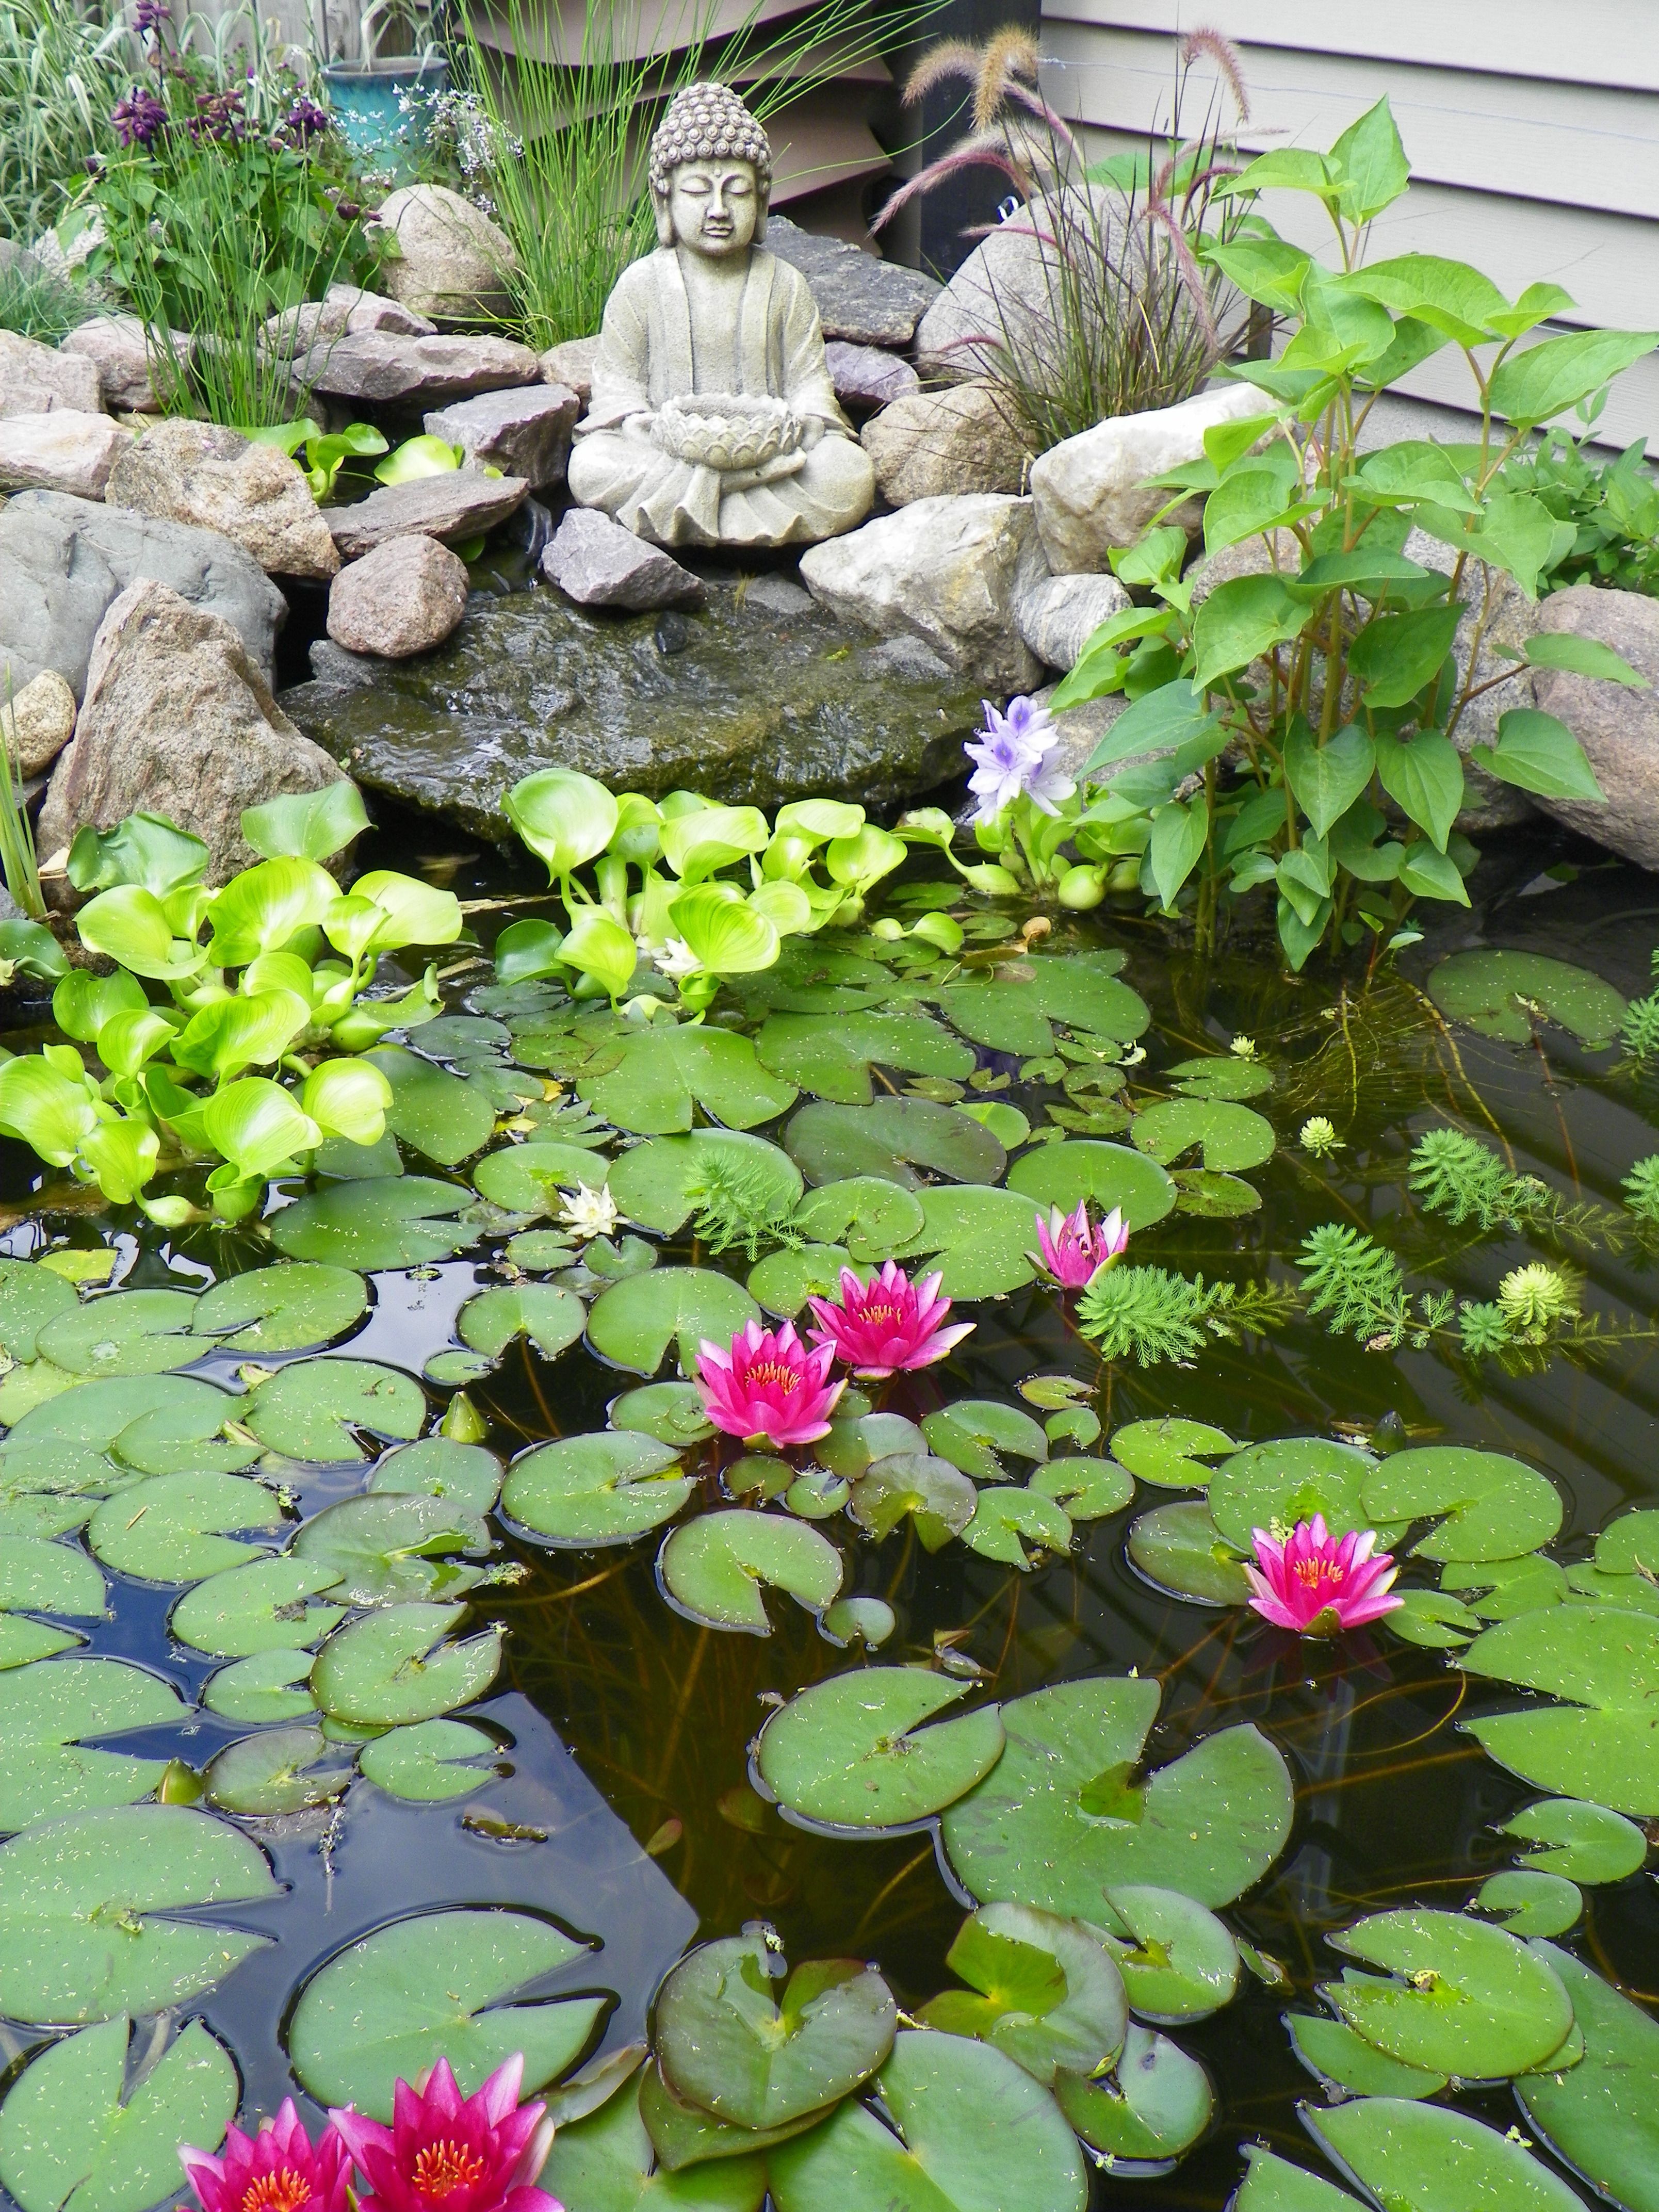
[1612, 505]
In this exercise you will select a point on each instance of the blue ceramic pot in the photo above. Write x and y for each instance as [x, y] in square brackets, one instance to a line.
[365, 101]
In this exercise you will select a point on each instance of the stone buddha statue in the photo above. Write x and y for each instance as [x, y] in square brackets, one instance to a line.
[713, 421]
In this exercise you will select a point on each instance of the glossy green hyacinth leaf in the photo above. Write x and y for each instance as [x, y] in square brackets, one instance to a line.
[662, 1184]
[393, 1666]
[1177, 1960]
[385, 1549]
[1064, 1816]
[69, 2142]
[608, 2162]
[976, 2134]
[1178, 1548]
[257, 1609]
[971, 1431]
[939, 1499]
[379, 1221]
[1600, 1744]
[1602, 2116]
[273, 1772]
[1291, 1480]
[1342, 2059]
[1494, 1507]
[1273, 2185]
[123, 1333]
[1468, 1999]
[636, 1320]
[283, 1308]
[1504, 994]
[30, 1296]
[1048, 1995]
[36, 1575]
[1154, 2105]
[853, 1752]
[656, 1077]
[429, 1761]
[888, 1141]
[441, 1115]
[714, 1568]
[171, 1527]
[1424, 2158]
[271, 1685]
[50, 1710]
[80, 1938]
[1005, 1521]
[1106, 1175]
[1584, 1842]
[536, 1177]
[315, 1409]
[1531, 1904]
[1225, 1136]
[832, 1058]
[606, 1488]
[758, 2049]
[466, 1477]
[1169, 1453]
[437, 1986]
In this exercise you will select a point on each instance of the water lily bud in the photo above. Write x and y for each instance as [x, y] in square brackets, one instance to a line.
[180, 1785]
[1080, 888]
[463, 1423]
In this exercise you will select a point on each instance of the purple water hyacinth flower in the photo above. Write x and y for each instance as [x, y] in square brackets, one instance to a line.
[1010, 763]
[139, 119]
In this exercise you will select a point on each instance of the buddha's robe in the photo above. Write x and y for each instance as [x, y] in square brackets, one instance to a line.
[649, 352]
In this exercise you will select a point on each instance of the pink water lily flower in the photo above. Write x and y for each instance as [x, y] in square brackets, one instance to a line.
[1072, 1251]
[768, 1388]
[447, 2153]
[1317, 1584]
[278, 2169]
[888, 1323]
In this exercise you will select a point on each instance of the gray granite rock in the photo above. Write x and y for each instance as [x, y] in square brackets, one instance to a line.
[1007, 295]
[1618, 727]
[1081, 729]
[940, 445]
[444, 256]
[1059, 615]
[453, 508]
[404, 598]
[177, 720]
[571, 363]
[345, 310]
[530, 681]
[63, 451]
[34, 379]
[64, 560]
[778, 595]
[860, 297]
[867, 375]
[523, 431]
[332, 665]
[597, 563]
[216, 479]
[950, 572]
[386, 368]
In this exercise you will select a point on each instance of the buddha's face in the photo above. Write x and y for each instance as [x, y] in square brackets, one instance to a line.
[714, 207]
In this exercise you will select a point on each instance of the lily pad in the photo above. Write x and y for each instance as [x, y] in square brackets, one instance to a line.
[867, 1620]
[1629, 1544]
[661, 1074]
[938, 1497]
[673, 1412]
[714, 1569]
[1343, 2060]
[69, 2143]
[1177, 1960]
[389, 2006]
[378, 1221]
[551, 1317]
[851, 1752]
[970, 1432]
[1531, 1904]
[170, 1528]
[607, 2163]
[1434, 1619]
[1087, 1489]
[889, 1140]
[974, 2134]
[1495, 1507]
[31, 1296]
[444, 1116]
[1424, 2158]
[255, 1609]
[122, 1333]
[734, 2037]
[1584, 1843]
[1226, 1136]
[1108, 1175]
[1208, 1195]
[1178, 1548]
[1153, 2107]
[430, 1761]
[783, 1281]
[636, 1320]
[79, 1940]
[661, 1185]
[1602, 2116]
[1223, 1076]
[273, 1772]
[533, 1178]
[606, 1488]
[283, 1309]
[1291, 1480]
[1063, 1817]
[857, 1441]
[1005, 1520]
[1273, 2185]
[871, 1215]
[386, 1548]
[831, 1056]
[977, 1239]
[1469, 2000]
[1601, 1745]
[1504, 994]
[270, 1686]
[466, 1477]
[156, 1423]
[1169, 1453]
[40, 1576]
[1012, 1012]
[685, 2134]
[1050, 1994]
[314, 1409]
[48, 1709]
[393, 1666]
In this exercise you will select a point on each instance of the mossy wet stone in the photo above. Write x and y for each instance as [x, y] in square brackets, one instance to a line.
[732, 702]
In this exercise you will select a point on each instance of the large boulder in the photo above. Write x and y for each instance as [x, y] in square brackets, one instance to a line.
[64, 560]
[404, 598]
[1059, 615]
[1092, 493]
[215, 479]
[63, 451]
[524, 431]
[752, 704]
[34, 379]
[948, 571]
[932, 445]
[128, 372]
[444, 257]
[860, 297]
[1009, 295]
[453, 507]
[1618, 727]
[38, 721]
[177, 720]
[386, 368]
[597, 563]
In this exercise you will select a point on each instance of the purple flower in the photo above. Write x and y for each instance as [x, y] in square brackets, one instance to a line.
[150, 15]
[139, 119]
[306, 120]
[1010, 763]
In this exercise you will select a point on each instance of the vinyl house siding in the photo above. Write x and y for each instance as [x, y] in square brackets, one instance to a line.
[1532, 129]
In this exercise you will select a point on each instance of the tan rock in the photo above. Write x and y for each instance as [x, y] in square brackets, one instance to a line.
[63, 451]
[1617, 727]
[404, 598]
[177, 720]
[201, 473]
[344, 310]
[447, 257]
[571, 363]
[941, 444]
[39, 722]
[128, 374]
[453, 508]
[387, 367]
[524, 431]
[35, 379]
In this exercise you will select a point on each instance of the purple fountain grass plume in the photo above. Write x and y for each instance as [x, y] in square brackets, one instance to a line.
[988, 153]
[1192, 277]
[1216, 47]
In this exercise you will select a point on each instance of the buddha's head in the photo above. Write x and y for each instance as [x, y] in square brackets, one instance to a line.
[711, 173]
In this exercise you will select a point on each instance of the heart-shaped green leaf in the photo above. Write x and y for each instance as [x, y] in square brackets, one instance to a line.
[606, 1488]
[465, 1476]
[429, 1761]
[382, 1221]
[171, 1527]
[714, 1569]
[30, 1296]
[533, 1177]
[1496, 1508]
[283, 1309]
[1503, 995]
[662, 1074]
[1177, 1960]
[392, 1667]
[313, 1409]
[123, 1333]
[636, 1320]
[1108, 1175]
[1336, 2055]
[607, 2161]
[1169, 1453]
[1423, 2158]
[970, 1432]
[48, 1709]
[1179, 1547]
[385, 1549]
[939, 1499]
[273, 1772]
[852, 1752]
[1601, 1743]
[1584, 1843]
[661, 1185]
[889, 1140]
[831, 1056]
[1050, 1996]
[270, 1686]
[1280, 1484]
[256, 1608]
[1470, 2000]
[442, 1115]
[1600, 2117]
[1226, 1136]
[1154, 2104]
[1006, 1520]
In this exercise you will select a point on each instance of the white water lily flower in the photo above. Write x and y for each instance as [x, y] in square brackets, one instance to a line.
[589, 1213]
[676, 960]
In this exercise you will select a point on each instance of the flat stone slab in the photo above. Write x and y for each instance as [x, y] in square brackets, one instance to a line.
[597, 563]
[749, 706]
[860, 298]
[387, 366]
[450, 507]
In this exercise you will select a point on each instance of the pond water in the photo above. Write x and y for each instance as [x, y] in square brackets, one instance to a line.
[625, 1813]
